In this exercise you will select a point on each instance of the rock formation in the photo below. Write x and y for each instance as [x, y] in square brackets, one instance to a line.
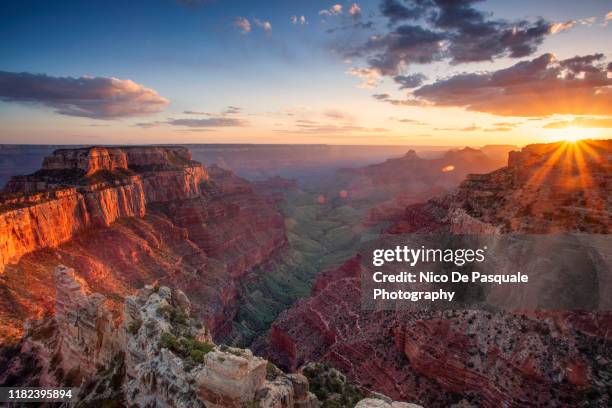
[467, 358]
[411, 179]
[157, 355]
[545, 188]
[130, 216]
[83, 188]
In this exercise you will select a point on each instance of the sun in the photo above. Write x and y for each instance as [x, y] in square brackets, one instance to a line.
[573, 134]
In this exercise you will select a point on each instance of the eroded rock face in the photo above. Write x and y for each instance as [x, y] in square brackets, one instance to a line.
[472, 357]
[87, 160]
[380, 403]
[88, 337]
[162, 219]
[79, 189]
[155, 355]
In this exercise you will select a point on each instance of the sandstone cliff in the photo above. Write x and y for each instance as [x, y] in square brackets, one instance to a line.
[157, 356]
[83, 188]
[126, 217]
[397, 183]
[471, 358]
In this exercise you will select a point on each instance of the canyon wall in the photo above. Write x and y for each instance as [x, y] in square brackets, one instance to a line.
[144, 215]
[49, 207]
[471, 358]
[157, 354]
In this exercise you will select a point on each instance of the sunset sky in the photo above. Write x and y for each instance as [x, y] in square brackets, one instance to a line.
[423, 72]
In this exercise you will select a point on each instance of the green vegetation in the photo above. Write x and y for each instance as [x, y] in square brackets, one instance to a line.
[190, 349]
[134, 326]
[320, 236]
[331, 386]
[174, 314]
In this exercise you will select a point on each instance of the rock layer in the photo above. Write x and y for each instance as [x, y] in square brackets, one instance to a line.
[472, 357]
[84, 188]
[157, 356]
[163, 218]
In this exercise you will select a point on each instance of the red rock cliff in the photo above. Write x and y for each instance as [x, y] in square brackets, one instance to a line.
[161, 219]
[471, 358]
[83, 188]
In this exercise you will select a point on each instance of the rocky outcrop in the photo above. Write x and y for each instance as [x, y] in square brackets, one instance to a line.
[381, 403]
[79, 189]
[157, 355]
[162, 219]
[546, 188]
[470, 358]
[87, 336]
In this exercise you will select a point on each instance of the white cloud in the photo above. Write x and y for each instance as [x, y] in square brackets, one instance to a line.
[299, 20]
[354, 9]
[333, 10]
[370, 77]
[243, 24]
[559, 27]
[264, 25]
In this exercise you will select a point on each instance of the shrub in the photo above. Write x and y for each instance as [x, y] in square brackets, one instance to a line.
[187, 348]
[174, 314]
[134, 326]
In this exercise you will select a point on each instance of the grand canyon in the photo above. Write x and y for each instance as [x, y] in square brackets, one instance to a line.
[121, 262]
[306, 204]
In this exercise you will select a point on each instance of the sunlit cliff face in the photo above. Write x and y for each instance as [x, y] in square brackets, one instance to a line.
[570, 167]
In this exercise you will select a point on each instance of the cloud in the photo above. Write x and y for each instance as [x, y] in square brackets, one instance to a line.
[243, 24]
[384, 97]
[435, 30]
[581, 122]
[313, 127]
[539, 87]
[607, 18]
[410, 81]
[301, 20]
[396, 11]
[471, 128]
[370, 78]
[264, 25]
[333, 10]
[474, 128]
[211, 122]
[406, 120]
[92, 97]
[207, 123]
[192, 112]
[405, 45]
[338, 115]
[560, 27]
[232, 110]
[354, 10]
[227, 118]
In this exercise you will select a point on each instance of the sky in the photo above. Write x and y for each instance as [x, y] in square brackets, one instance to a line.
[414, 72]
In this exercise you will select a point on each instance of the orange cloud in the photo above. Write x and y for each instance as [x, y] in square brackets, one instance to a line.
[581, 122]
[92, 97]
[540, 87]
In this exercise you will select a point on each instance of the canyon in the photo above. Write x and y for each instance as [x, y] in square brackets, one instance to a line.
[471, 357]
[327, 221]
[163, 258]
[126, 217]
